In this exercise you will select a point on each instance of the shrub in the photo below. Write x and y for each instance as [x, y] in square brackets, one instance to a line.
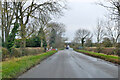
[17, 43]
[5, 53]
[33, 51]
[99, 49]
[17, 52]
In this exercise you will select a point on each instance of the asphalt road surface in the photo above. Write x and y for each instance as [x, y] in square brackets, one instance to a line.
[71, 64]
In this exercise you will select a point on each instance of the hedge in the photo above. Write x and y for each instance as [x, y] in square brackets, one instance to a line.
[17, 52]
[110, 58]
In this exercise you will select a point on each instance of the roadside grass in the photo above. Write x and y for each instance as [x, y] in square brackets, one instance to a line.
[110, 58]
[61, 48]
[15, 67]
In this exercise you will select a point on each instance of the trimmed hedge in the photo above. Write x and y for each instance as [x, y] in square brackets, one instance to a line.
[107, 50]
[17, 52]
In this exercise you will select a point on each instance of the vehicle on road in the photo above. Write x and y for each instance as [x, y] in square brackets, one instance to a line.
[67, 47]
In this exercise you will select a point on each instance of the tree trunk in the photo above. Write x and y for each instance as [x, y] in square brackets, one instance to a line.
[41, 43]
[23, 34]
[82, 41]
[23, 42]
[2, 25]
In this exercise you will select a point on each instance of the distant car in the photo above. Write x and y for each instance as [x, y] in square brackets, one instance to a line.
[67, 47]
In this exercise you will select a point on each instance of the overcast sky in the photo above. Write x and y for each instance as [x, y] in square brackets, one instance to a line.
[82, 14]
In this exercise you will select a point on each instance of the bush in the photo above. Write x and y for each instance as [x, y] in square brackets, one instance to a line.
[17, 43]
[5, 53]
[99, 49]
[108, 51]
[17, 52]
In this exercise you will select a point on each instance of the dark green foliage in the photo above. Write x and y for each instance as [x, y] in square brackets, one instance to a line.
[17, 43]
[52, 38]
[37, 41]
[41, 35]
[34, 41]
[44, 43]
[11, 37]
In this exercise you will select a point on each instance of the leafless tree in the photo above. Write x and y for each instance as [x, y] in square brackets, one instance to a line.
[7, 18]
[114, 9]
[100, 31]
[47, 7]
[24, 12]
[82, 35]
[113, 32]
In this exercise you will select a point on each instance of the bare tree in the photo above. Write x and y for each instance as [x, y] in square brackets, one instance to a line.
[113, 32]
[24, 12]
[100, 31]
[7, 17]
[82, 35]
[114, 9]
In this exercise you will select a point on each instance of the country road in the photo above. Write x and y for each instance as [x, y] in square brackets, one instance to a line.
[71, 64]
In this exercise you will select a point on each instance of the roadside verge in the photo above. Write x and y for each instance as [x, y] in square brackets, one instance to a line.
[15, 67]
[110, 58]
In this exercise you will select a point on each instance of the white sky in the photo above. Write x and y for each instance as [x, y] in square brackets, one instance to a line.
[82, 14]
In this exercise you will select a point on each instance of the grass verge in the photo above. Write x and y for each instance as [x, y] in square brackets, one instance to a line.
[14, 67]
[110, 58]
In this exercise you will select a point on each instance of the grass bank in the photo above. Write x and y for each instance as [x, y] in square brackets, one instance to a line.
[14, 67]
[110, 58]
